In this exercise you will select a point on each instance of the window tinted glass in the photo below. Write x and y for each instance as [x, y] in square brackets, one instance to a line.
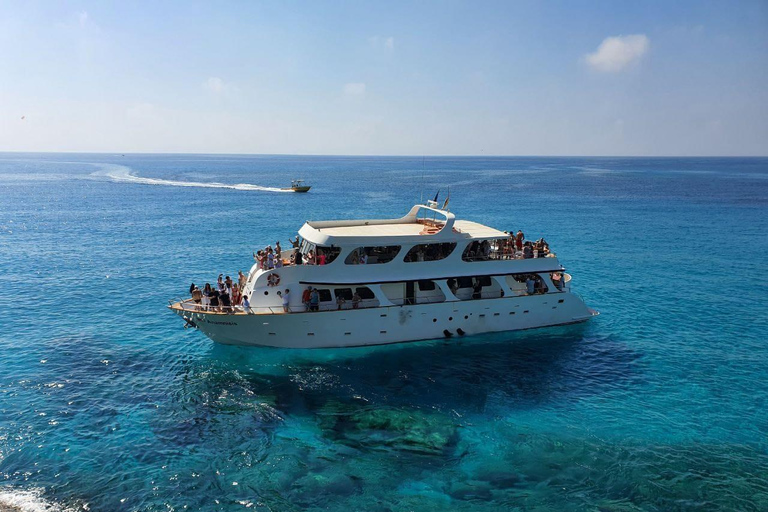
[344, 293]
[365, 293]
[426, 285]
[464, 282]
[429, 252]
[372, 255]
[325, 295]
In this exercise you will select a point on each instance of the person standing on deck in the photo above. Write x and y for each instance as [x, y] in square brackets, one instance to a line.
[287, 301]
[314, 300]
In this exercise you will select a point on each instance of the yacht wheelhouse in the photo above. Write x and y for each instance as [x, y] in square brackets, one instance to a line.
[425, 275]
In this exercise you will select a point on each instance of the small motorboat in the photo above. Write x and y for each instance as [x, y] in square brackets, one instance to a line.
[298, 186]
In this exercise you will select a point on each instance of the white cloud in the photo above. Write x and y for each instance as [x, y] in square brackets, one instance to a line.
[83, 18]
[214, 84]
[354, 89]
[617, 53]
[389, 43]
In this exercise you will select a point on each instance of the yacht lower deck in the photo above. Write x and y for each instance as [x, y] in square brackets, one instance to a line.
[388, 324]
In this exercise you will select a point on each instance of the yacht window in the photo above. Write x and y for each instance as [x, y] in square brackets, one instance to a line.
[429, 252]
[344, 293]
[464, 282]
[365, 293]
[371, 255]
[325, 295]
[485, 250]
[426, 285]
[330, 253]
[469, 281]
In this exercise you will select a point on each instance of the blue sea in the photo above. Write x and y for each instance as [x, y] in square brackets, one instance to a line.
[108, 404]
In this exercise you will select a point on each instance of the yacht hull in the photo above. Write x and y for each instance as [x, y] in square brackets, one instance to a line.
[392, 324]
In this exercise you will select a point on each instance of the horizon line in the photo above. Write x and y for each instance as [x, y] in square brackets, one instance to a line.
[371, 155]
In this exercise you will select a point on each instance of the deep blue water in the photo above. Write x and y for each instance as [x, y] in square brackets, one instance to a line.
[106, 403]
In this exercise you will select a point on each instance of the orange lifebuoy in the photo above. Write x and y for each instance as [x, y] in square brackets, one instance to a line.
[273, 279]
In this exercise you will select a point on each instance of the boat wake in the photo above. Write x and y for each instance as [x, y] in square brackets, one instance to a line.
[17, 500]
[122, 174]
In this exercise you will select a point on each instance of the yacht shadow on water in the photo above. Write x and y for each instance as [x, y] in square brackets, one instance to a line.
[423, 386]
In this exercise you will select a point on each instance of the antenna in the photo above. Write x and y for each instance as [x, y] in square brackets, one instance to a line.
[421, 192]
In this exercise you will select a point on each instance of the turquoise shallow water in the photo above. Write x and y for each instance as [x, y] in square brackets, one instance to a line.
[107, 404]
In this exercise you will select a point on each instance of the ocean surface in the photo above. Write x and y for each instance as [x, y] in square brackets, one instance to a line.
[108, 404]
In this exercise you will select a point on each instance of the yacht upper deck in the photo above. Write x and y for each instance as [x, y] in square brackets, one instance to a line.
[408, 228]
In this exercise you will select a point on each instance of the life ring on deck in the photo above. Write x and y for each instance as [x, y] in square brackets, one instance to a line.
[273, 279]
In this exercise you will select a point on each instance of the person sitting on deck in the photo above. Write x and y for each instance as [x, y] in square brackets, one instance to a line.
[530, 285]
[557, 280]
[527, 251]
[363, 258]
[356, 300]
[477, 290]
[246, 304]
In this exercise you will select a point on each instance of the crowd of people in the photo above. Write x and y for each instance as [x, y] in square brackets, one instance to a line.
[269, 258]
[514, 247]
[226, 295]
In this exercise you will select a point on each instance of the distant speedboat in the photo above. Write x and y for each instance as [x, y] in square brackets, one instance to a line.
[298, 186]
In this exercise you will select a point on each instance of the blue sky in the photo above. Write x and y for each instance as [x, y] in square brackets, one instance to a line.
[386, 78]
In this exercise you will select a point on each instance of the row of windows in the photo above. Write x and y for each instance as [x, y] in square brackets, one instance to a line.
[478, 250]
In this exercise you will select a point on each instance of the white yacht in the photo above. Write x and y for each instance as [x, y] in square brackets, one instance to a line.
[423, 276]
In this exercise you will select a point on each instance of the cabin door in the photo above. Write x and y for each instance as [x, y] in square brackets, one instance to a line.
[410, 293]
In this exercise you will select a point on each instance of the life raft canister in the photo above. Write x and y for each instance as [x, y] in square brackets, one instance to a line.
[273, 279]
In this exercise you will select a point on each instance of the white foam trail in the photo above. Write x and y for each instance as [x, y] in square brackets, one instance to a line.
[17, 500]
[122, 174]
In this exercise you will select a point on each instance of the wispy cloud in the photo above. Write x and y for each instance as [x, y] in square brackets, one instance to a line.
[617, 53]
[83, 18]
[354, 89]
[389, 43]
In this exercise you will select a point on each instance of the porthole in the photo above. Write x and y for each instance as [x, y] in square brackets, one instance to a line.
[434, 319]
[266, 293]
[450, 318]
[466, 317]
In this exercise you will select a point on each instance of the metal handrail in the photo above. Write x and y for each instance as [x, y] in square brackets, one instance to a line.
[193, 307]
